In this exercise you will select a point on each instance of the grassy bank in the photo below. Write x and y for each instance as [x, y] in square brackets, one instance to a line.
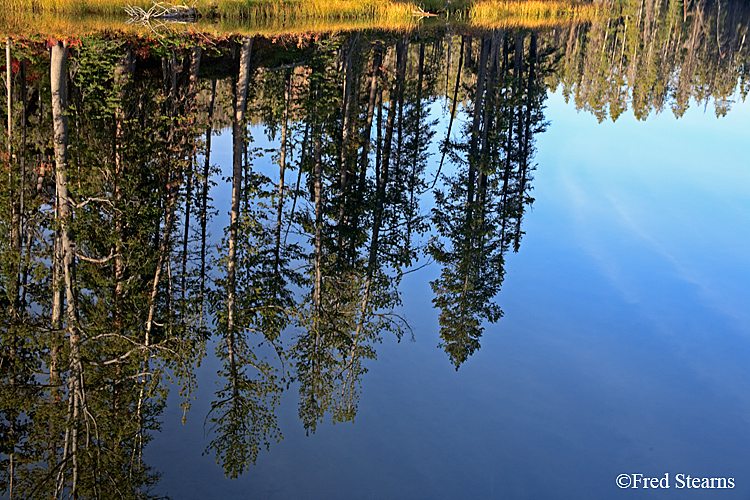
[230, 9]
[79, 17]
[529, 13]
[57, 17]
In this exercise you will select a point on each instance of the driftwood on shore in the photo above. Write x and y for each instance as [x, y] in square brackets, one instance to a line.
[161, 11]
[422, 13]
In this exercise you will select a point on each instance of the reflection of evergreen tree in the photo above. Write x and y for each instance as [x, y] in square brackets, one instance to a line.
[252, 306]
[479, 214]
[125, 282]
[100, 340]
[355, 222]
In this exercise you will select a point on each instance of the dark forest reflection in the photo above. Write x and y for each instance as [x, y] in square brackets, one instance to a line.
[112, 284]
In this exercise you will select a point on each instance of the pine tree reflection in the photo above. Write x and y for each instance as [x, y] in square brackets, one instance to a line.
[478, 215]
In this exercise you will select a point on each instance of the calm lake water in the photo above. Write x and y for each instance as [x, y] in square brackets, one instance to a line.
[623, 348]
[553, 303]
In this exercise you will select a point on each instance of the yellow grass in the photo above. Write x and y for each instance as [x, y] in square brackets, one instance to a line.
[231, 9]
[62, 18]
[73, 7]
[52, 25]
[529, 13]
[311, 9]
[70, 18]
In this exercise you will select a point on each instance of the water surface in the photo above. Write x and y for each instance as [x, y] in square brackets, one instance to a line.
[581, 314]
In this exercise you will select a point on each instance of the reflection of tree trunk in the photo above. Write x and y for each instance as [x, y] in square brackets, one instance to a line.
[402, 54]
[346, 107]
[510, 116]
[204, 194]
[420, 80]
[302, 162]
[15, 234]
[282, 166]
[381, 174]
[318, 270]
[23, 264]
[417, 142]
[525, 138]
[393, 100]
[57, 305]
[377, 60]
[346, 125]
[58, 77]
[14, 285]
[171, 188]
[473, 144]
[453, 110]
[379, 126]
[8, 66]
[489, 107]
[238, 139]
[195, 61]
[318, 200]
[381, 179]
[123, 73]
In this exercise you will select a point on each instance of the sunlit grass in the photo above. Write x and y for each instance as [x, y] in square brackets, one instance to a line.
[73, 7]
[230, 9]
[67, 18]
[80, 17]
[384, 10]
[529, 13]
[53, 25]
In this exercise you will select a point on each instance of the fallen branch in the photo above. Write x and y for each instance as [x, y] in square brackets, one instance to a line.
[160, 11]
